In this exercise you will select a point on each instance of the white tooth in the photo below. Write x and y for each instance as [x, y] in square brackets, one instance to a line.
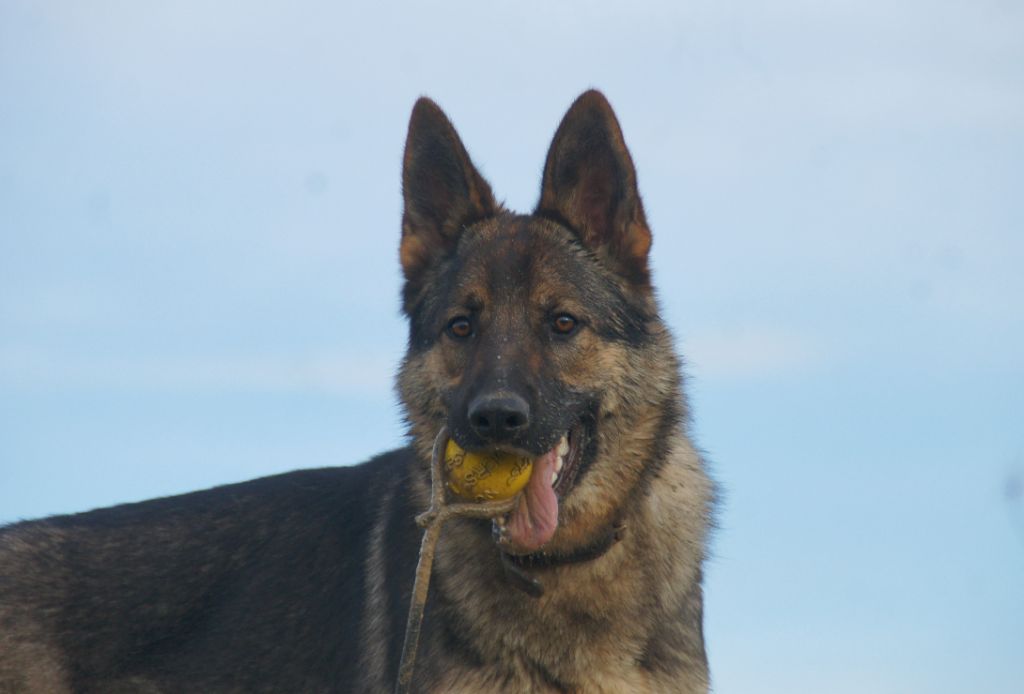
[558, 464]
[554, 476]
[563, 446]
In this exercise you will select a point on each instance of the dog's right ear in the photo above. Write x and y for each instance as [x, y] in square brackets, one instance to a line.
[441, 189]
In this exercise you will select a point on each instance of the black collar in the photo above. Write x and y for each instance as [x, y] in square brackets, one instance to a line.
[515, 565]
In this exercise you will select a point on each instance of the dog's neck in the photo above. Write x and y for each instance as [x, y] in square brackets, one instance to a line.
[516, 565]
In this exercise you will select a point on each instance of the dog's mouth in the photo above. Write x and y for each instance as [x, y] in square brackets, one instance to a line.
[533, 522]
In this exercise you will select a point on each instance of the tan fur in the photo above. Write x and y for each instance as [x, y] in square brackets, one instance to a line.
[375, 607]
[611, 591]
[28, 652]
[629, 620]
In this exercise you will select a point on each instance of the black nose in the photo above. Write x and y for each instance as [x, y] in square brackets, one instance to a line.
[498, 417]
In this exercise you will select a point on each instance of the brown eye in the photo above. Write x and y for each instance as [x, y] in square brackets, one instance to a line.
[564, 324]
[460, 327]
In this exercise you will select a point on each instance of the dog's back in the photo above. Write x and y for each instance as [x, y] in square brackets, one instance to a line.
[259, 586]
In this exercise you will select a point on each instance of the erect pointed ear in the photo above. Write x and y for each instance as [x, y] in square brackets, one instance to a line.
[441, 189]
[590, 184]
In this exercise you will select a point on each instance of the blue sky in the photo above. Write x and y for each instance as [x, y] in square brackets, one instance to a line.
[199, 215]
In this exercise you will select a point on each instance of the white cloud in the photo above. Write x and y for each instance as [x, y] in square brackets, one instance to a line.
[55, 305]
[348, 374]
[750, 352]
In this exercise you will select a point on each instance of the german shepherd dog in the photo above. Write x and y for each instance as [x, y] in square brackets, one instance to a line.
[536, 334]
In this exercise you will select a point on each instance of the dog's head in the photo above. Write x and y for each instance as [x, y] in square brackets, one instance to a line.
[536, 334]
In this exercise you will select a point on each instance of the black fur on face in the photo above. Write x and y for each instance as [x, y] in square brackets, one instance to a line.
[486, 289]
[511, 278]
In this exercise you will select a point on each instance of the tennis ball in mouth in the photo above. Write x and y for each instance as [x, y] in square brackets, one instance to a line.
[485, 476]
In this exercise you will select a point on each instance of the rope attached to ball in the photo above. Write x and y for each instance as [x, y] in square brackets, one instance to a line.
[431, 521]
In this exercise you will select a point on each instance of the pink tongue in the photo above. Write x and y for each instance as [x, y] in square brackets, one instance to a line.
[535, 519]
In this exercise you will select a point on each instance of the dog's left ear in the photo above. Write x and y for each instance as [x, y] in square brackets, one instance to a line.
[590, 184]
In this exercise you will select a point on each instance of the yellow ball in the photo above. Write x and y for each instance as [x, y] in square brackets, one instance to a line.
[486, 476]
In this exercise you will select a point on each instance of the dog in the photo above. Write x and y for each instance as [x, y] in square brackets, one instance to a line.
[533, 334]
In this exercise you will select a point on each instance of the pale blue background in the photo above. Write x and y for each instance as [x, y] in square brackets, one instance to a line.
[199, 215]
